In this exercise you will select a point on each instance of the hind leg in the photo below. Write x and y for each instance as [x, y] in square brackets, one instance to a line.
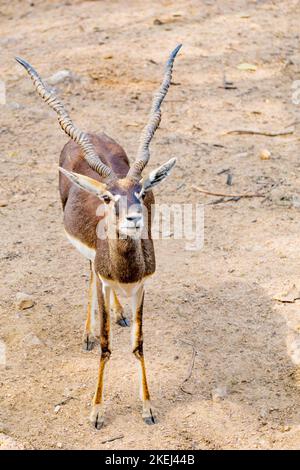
[89, 330]
[118, 310]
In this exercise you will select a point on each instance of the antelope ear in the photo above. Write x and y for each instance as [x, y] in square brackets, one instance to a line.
[158, 175]
[88, 184]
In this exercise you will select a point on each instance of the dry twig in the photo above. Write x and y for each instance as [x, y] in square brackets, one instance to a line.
[191, 367]
[65, 400]
[223, 200]
[258, 132]
[215, 193]
[113, 439]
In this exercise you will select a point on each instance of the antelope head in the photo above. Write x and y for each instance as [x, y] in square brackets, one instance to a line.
[124, 198]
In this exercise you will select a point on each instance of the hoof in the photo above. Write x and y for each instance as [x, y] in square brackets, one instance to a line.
[97, 418]
[99, 422]
[89, 342]
[149, 416]
[123, 322]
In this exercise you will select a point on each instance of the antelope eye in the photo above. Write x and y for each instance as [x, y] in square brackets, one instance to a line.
[106, 199]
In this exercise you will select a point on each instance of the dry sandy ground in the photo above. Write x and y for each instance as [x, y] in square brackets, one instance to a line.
[220, 298]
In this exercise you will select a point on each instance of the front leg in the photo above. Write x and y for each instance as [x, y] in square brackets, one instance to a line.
[137, 349]
[89, 330]
[103, 293]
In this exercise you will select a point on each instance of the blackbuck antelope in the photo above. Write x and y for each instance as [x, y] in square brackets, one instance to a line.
[97, 186]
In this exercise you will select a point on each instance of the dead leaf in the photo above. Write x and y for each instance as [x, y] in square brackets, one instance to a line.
[24, 301]
[246, 66]
[12, 154]
[133, 124]
[288, 296]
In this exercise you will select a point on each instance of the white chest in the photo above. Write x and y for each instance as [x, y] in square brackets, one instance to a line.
[85, 250]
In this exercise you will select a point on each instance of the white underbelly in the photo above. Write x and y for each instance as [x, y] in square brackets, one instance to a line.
[85, 250]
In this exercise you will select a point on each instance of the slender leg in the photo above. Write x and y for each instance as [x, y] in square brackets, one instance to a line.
[137, 349]
[103, 293]
[89, 330]
[118, 310]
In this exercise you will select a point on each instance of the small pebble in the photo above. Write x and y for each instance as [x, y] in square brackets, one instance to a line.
[264, 154]
[219, 393]
[32, 340]
[60, 77]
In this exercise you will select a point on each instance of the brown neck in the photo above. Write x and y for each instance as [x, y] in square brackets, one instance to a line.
[127, 261]
[123, 247]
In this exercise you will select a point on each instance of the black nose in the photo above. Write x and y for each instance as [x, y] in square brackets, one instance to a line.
[134, 218]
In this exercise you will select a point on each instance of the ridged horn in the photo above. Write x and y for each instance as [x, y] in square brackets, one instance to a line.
[80, 137]
[143, 154]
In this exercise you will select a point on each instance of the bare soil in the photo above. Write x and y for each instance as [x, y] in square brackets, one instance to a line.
[218, 299]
